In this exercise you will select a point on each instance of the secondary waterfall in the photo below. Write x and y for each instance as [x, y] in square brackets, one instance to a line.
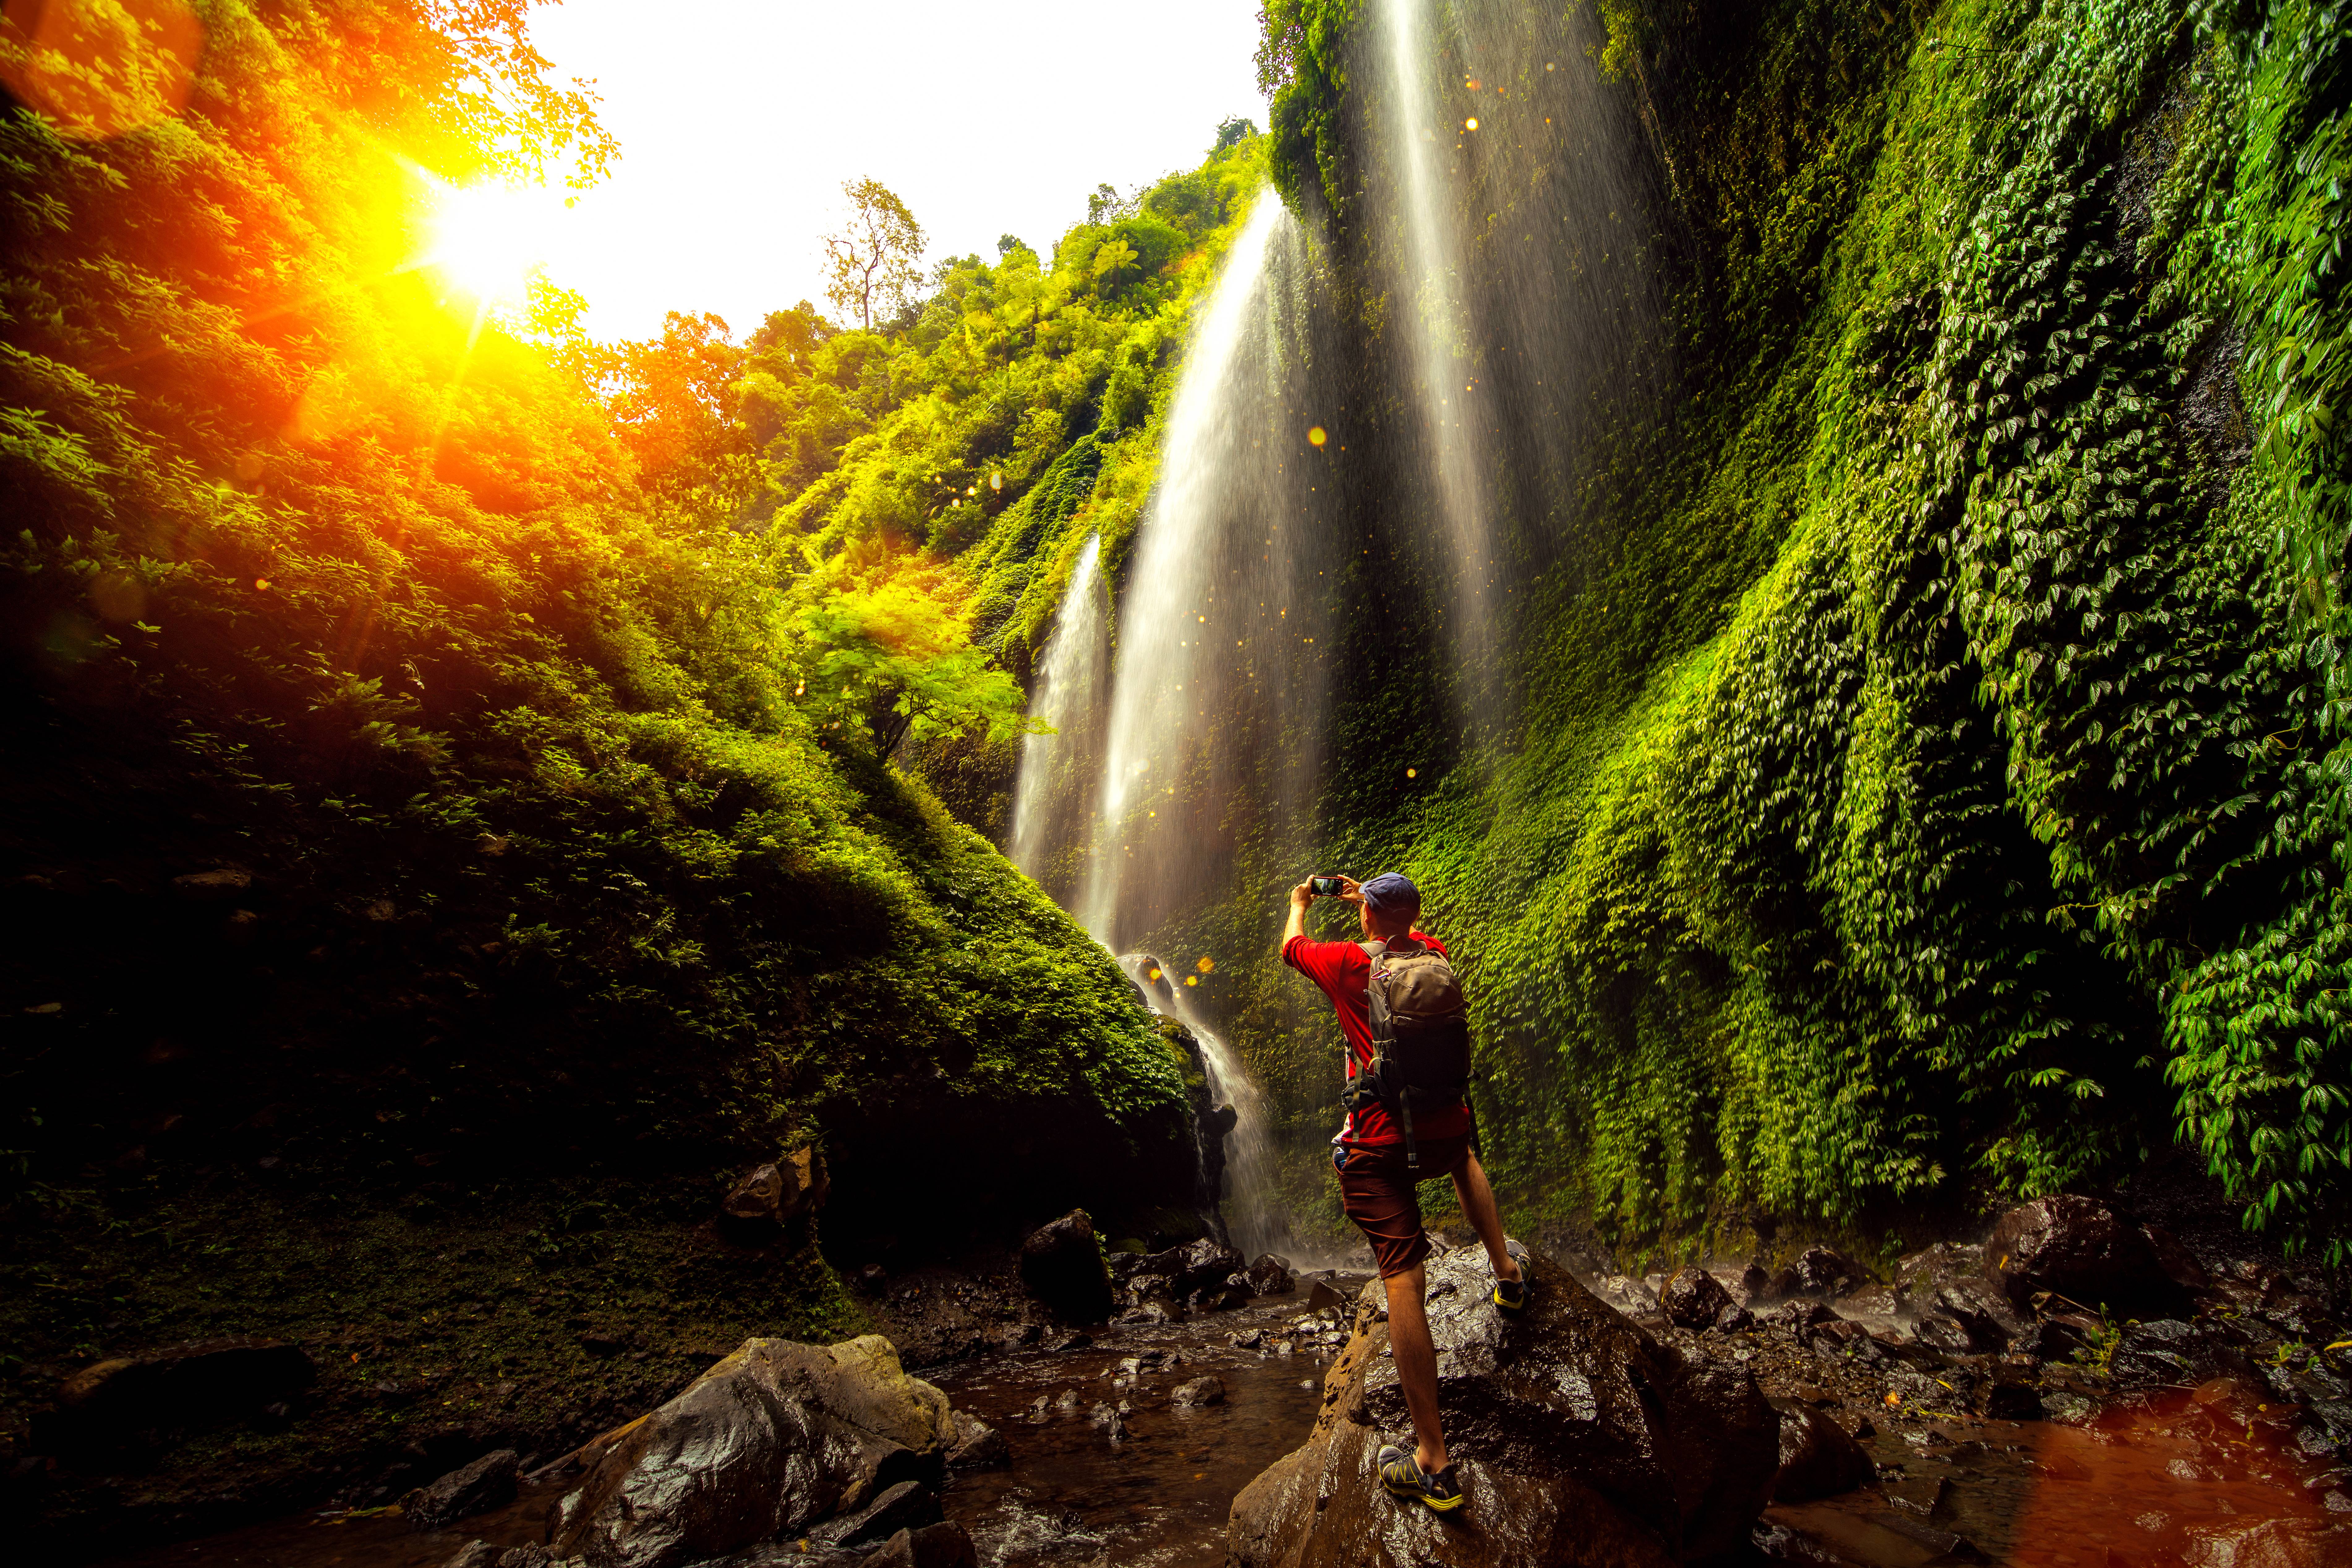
[1056, 785]
[1440, 346]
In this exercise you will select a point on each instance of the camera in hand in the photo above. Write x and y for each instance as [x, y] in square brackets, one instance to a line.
[1325, 887]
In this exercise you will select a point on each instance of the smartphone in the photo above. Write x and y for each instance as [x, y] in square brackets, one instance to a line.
[1325, 887]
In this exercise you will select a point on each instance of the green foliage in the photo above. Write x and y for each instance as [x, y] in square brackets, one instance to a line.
[462, 640]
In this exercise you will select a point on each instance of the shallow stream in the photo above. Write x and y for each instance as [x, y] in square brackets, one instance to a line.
[1107, 1469]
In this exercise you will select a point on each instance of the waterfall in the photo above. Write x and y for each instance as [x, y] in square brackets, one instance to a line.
[1440, 351]
[1217, 694]
[1211, 725]
[1054, 785]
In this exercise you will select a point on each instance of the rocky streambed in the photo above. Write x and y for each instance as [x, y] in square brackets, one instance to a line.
[1970, 1408]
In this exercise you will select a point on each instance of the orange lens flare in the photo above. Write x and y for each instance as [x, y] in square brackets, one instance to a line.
[96, 70]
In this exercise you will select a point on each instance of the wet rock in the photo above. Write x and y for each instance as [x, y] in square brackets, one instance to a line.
[1205, 1265]
[2081, 1251]
[1234, 1292]
[202, 1383]
[771, 1439]
[1201, 1391]
[2007, 1401]
[2172, 1352]
[1324, 1297]
[1693, 1298]
[873, 1279]
[978, 1445]
[1818, 1459]
[1271, 1276]
[488, 1483]
[530, 1556]
[1579, 1438]
[775, 1194]
[1826, 1271]
[1625, 1293]
[1801, 1318]
[1957, 1323]
[1732, 1319]
[1753, 1282]
[941, 1545]
[1062, 1266]
[908, 1505]
[474, 1555]
[1246, 1339]
[2172, 1256]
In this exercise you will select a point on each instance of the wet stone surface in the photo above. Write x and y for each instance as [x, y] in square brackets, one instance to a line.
[1106, 1465]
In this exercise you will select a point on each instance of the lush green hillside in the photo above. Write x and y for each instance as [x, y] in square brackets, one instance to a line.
[1931, 783]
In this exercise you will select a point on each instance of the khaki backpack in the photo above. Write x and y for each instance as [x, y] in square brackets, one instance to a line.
[1421, 1038]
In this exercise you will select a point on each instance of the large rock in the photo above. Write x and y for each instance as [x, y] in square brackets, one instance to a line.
[2080, 1250]
[1062, 1265]
[1271, 1276]
[1693, 1298]
[1819, 1457]
[771, 1439]
[1579, 1439]
[1826, 1271]
[488, 1483]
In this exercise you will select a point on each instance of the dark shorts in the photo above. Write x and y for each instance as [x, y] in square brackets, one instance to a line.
[1377, 1192]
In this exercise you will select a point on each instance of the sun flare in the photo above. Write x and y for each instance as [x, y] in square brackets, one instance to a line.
[487, 240]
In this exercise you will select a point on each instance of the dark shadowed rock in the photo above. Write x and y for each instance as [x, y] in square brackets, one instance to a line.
[1826, 1271]
[1271, 1276]
[2014, 1401]
[943, 1545]
[1323, 1297]
[771, 1441]
[1693, 1298]
[202, 1383]
[1579, 1439]
[1818, 1459]
[2171, 1353]
[908, 1505]
[2179, 1265]
[1732, 1319]
[1753, 1283]
[2079, 1249]
[1062, 1266]
[488, 1483]
[1201, 1391]
[978, 1445]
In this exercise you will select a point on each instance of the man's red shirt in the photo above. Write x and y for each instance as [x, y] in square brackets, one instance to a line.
[1343, 970]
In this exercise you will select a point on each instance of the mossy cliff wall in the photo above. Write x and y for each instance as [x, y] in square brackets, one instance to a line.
[1929, 781]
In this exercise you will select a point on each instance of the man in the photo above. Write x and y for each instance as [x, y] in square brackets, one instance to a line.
[1375, 1185]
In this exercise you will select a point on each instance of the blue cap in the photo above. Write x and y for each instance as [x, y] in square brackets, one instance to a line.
[1390, 892]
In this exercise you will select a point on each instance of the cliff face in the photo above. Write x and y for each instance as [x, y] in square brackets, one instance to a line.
[1920, 774]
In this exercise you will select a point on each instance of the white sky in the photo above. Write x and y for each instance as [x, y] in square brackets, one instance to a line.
[739, 121]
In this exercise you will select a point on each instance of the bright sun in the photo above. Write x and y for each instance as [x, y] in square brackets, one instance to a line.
[487, 240]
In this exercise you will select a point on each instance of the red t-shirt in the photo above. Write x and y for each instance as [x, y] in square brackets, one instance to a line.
[1343, 969]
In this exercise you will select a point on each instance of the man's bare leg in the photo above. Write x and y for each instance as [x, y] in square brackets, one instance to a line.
[1477, 1200]
[1416, 1363]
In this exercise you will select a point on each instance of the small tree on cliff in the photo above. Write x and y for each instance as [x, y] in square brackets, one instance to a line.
[896, 659]
[870, 263]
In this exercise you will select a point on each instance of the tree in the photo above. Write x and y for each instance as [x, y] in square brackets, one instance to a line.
[870, 264]
[896, 657]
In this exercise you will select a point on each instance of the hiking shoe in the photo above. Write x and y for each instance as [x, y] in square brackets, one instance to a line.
[1511, 1295]
[1404, 1476]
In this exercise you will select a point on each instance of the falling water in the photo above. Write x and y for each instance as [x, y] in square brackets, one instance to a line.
[1056, 778]
[1441, 350]
[1219, 689]
[1254, 1215]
